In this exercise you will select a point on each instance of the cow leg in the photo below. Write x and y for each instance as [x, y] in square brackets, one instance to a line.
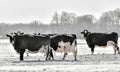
[92, 48]
[51, 54]
[75, 54]
[116, 48]
[47, 55]
[64, 56]
[47, 52]
[92, 51]
[21, 55]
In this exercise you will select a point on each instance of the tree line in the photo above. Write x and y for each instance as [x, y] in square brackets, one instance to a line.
[67, 22]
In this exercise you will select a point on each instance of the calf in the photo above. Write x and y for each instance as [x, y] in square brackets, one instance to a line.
[64, 43]
[101, 39]
[31, 43]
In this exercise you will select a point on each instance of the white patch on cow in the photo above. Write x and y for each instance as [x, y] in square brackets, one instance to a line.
[66, 47]
[109, 43]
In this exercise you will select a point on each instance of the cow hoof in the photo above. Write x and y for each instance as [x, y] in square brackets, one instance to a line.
[46, 59]
[53, 59]
[21, 60]
[75, 59]
[119, 53]
[63, 59]
[91, 53]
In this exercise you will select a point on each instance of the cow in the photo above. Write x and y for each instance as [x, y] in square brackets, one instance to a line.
[21, 43]
[63, 43]
[102, 40]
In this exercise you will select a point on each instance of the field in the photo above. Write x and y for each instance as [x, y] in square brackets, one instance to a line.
[102, 60]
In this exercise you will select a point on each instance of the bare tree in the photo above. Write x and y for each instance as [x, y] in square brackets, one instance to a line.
[67, 18]
[55, 19]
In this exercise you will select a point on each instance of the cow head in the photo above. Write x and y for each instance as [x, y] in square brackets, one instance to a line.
[13, 36]
[85, 33]
[10, 37]
[18, 33]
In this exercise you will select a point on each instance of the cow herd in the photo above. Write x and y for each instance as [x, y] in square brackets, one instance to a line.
[47, 43]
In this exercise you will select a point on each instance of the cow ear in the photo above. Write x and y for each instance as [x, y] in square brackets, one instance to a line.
[11, 33]
[8, 35]
[15, 33]
[22, 33]
[82, 32]
[38, 33]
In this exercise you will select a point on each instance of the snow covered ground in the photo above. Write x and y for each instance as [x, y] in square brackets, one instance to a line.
[102, 60]
[63, 68]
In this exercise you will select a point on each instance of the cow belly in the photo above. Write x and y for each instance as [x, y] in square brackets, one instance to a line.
[70, 49]
[65, 47]
[109, 43]
[42, 50]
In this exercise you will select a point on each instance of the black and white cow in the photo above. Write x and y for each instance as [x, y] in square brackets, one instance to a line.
[31, 43]
[64, 43]
[101, 39]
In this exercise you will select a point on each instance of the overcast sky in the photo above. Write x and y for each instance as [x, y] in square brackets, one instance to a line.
[43, 10]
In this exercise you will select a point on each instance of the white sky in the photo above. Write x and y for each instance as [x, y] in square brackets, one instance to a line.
[27, 10]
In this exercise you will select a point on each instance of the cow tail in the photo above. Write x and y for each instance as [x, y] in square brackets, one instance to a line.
[75, 43]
